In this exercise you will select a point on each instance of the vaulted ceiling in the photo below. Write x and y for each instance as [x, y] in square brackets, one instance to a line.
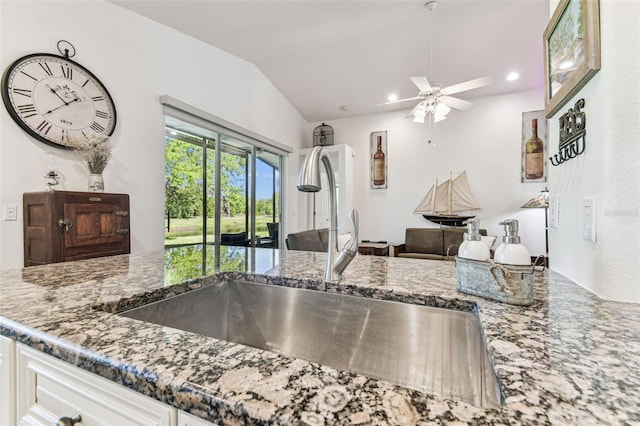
[334, 59]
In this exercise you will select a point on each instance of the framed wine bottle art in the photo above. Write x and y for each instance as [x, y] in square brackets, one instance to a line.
[534, 147]
[378, 159]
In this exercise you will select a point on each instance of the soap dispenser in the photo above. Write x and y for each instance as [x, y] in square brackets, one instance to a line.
[511, 252]
[473, 247]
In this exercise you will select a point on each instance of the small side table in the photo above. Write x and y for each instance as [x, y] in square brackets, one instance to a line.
[374, 249]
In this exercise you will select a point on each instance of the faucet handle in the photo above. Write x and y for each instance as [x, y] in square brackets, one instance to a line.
[354, 218]
[352, 244]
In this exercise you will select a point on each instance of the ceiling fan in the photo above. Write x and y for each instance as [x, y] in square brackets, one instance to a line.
[434, 99]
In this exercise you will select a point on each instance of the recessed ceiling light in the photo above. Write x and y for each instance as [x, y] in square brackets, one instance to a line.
[392, 97]
[513, 76]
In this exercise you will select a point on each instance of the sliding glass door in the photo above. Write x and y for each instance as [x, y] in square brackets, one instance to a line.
[219, 189]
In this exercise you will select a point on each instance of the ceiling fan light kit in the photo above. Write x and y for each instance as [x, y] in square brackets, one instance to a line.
[435, 100]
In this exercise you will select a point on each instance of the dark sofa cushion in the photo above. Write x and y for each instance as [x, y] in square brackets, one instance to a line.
[424, 240]
[234, 239]
[311, 240]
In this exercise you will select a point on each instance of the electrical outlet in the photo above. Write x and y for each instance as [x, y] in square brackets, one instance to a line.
[589, 219]
[10, 212]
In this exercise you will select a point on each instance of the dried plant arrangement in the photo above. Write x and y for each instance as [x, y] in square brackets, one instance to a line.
[95, 152]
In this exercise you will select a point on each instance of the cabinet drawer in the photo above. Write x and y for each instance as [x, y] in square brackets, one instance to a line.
[48, 389]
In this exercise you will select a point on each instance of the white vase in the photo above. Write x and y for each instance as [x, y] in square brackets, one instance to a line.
[96, 183]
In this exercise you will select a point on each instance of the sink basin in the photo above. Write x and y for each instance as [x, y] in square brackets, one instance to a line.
[429, 349]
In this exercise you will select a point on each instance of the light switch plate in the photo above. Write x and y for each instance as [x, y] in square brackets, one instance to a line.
[10, 212]
[589, 219]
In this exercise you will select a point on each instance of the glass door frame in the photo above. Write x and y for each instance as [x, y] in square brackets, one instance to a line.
[204, 142]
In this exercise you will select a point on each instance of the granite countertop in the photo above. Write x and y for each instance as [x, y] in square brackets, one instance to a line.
[570, 358]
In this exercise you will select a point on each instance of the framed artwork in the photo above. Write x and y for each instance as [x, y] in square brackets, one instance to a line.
[534, 147]
[571, 51]
[378, 159]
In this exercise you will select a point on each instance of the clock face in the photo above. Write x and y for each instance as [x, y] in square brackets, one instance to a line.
[57, 100]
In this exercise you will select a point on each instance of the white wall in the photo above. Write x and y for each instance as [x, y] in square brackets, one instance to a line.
[138, 60]
[484, 140]
[609, 169]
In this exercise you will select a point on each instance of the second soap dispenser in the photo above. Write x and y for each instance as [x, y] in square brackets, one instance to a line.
[511, 252]
[473, 247]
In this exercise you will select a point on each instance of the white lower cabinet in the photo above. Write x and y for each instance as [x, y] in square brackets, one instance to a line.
[186, 419]
[7, 382]
[48, 389]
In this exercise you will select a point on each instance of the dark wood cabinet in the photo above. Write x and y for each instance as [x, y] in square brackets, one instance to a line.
[62, 225]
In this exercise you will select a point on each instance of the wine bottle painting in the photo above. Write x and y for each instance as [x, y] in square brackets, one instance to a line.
[378, 159]
[534, 147]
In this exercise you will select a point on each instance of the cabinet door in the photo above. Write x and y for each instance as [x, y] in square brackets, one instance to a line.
[94, 224]
[48, 389]
[7, 382]
[186, 419]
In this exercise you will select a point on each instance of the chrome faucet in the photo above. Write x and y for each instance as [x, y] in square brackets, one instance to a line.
[309, 181]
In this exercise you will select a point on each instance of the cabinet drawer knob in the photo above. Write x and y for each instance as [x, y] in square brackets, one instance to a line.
[65, 223]
[122, 213]
[122, 231]
[68, 421]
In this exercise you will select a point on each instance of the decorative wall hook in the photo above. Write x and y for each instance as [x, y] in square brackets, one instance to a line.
[572, 134]
[53, 179]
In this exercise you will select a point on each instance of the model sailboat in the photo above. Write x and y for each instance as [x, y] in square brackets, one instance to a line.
[443, 202]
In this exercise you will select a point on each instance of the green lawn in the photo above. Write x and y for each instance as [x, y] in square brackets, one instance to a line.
[189, 231]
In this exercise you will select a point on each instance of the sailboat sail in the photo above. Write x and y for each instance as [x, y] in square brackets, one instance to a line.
[461, 196]
[445, 199]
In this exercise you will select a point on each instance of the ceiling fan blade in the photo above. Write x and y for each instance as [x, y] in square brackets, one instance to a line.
[422, 84]
[415, 98]
[467, 85]
[456, 103]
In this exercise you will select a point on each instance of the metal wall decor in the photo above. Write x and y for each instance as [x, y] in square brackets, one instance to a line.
[323, 135]
[572, 134]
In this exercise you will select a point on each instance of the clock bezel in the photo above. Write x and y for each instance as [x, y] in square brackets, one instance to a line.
[4, 88]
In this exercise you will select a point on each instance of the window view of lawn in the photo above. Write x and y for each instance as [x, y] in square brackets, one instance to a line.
[189, 230]
[191, 181]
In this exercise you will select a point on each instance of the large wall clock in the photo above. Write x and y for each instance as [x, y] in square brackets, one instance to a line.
[57, 100]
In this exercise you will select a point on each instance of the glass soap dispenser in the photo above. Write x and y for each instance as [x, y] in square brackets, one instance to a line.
[510, 251]
[473, 247]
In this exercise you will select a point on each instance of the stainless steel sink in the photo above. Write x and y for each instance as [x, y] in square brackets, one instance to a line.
[428, 349]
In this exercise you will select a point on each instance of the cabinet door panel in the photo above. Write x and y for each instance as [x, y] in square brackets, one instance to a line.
[93, 224]
[48, 389]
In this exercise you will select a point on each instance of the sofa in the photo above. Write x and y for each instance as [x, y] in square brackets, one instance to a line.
[311, 240]
[432, 243]
[314, 240]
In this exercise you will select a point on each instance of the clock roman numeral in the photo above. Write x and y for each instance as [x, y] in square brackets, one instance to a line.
[97, 98]
[85, 83]
[97, 128]
[45, 68]
[27, 109]
[23, 92]
[44, 127]
[102, 114]
[31, 77]
[67, 72]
